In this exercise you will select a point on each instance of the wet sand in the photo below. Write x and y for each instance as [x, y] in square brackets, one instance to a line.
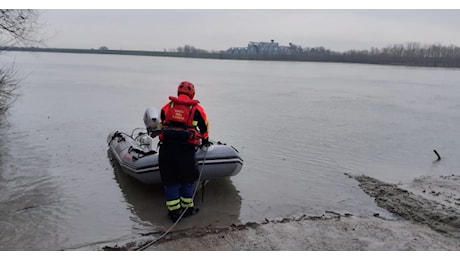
[427, 218]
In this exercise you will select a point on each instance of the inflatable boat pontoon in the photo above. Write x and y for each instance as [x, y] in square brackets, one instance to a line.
[137, 155]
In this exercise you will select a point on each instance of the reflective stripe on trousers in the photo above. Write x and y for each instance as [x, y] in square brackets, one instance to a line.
[186, 202]
[173, 204]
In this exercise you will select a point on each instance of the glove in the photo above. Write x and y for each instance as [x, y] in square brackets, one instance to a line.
[153, 133]
[205, 142]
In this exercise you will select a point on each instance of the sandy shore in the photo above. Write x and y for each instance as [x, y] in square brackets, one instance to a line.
[428, 218]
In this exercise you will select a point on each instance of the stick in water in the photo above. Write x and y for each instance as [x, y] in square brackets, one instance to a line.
[437, 154]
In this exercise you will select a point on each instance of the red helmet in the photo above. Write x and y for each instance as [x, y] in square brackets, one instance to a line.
[186, 88]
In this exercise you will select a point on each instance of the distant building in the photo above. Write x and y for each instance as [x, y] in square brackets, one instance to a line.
[265, 48]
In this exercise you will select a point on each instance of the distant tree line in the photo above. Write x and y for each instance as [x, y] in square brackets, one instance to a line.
[190, 49]
[415, 50]
[410, 54]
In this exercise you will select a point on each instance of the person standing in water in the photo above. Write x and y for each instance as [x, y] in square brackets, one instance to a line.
[184, 127]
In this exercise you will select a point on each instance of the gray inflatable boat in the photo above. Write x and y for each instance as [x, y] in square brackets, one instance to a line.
[138, 157]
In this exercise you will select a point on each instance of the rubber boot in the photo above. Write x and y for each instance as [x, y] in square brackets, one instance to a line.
[190, 211]
[174, 214]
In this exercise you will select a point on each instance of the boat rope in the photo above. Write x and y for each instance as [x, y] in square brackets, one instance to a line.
[142, 248]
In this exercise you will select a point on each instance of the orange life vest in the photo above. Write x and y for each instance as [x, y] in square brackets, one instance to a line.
[179, 125]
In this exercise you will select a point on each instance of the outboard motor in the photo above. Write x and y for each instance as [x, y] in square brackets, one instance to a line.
[151, 120]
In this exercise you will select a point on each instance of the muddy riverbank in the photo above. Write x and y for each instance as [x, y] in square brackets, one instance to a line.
[427, 218]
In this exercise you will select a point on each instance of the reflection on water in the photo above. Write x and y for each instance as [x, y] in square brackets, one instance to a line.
[3, 152]
[28, 201]
[219, 202]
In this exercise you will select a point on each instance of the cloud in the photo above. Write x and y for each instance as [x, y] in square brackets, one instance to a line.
[220, 29]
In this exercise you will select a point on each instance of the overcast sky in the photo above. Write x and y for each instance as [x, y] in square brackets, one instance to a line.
[220, 29]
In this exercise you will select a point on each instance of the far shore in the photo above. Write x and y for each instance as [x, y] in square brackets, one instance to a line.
[447, 62]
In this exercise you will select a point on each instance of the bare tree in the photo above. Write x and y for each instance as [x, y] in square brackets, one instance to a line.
[17, 26]
[8, 88]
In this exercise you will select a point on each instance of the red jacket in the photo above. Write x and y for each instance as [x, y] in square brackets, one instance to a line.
[199, 123]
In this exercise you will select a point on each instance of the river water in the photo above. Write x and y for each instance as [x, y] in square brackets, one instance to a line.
[299, 127]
